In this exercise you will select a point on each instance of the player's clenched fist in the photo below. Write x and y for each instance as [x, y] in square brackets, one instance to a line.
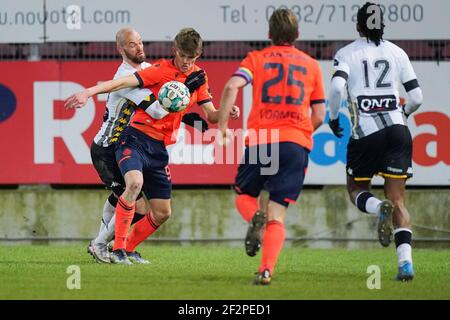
[235, 113]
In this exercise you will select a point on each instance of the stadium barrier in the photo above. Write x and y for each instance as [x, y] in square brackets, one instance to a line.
[321, 218]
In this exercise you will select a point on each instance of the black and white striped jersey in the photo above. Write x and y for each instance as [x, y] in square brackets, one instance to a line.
[374, 74]
[119, 107]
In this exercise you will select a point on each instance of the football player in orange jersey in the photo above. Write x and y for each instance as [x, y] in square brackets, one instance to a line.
[141, 153]
[288, 105]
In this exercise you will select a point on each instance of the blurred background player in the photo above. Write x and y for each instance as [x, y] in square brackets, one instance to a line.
[288, 99]
[371, 69]
[141, 153]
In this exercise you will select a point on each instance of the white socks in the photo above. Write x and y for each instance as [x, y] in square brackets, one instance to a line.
[404, 253]
[373, 205]
[108, 213]
[366, 202]
[107, 234]
[107, 217]
[403, 243]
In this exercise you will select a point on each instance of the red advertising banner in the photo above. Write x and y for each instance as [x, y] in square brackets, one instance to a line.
[44, 143]
[41, 142]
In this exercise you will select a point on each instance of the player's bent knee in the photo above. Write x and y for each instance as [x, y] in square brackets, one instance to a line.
[135, 185]
[162, 215]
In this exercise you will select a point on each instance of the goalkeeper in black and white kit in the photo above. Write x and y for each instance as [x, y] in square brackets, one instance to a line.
[370, 69]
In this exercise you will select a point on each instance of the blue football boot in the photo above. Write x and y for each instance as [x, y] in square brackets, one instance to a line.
[405, 272]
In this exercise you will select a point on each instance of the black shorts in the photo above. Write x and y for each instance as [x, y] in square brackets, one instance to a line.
[256, 173]
[138, 151]
[104, 160]
[387, 153]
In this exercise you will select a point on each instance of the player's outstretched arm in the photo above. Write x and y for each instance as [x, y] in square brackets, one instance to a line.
[145, 99]
[80, 99]
[228, 100]
[212, 114]
[227, 107]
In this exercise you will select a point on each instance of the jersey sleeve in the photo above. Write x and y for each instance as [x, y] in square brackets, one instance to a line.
[407, 75]
[341, 67]
[149, 76]
[146, 100]
[123, 72]
[138, 95]
[246, 68]
[204, 92]
[318, 93]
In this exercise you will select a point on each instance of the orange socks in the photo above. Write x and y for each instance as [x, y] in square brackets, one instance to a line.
[124, 216]
[247, 206]
[141, 231]
[272, 243]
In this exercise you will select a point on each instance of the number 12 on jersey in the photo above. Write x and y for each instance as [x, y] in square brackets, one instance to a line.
[379, 83]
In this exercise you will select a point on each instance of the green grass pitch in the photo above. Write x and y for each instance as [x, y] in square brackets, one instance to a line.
[218, 272]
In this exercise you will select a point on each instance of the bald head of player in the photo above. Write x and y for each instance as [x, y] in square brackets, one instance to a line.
[130, 46]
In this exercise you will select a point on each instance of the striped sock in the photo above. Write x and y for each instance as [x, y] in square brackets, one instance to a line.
[124, 216]
[402, 238]
[141, 231]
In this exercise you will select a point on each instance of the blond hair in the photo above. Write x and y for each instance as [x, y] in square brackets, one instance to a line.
[189, 42]
[283, 27]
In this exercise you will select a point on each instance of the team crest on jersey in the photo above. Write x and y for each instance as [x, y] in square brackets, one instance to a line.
[127, 152]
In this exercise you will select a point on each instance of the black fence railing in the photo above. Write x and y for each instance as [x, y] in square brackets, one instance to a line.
[422, 50]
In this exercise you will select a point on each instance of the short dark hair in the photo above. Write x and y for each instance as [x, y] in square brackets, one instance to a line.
[189, 42]
[373, 34]
[283, 27]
